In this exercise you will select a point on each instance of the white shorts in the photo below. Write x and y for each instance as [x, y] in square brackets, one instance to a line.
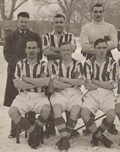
[102, 99]
[67, 98]
[30, 101]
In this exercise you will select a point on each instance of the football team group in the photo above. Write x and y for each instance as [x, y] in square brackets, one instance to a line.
[50, 88]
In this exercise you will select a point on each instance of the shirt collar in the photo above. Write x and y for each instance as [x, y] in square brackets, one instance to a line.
[22, 31]
[53, 32]
[71, 63]
[38, 61]
[100, 22]
[93, 59]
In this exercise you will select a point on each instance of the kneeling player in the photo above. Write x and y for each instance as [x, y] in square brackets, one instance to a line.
[100, 72]
[29, 78]
[67, 76]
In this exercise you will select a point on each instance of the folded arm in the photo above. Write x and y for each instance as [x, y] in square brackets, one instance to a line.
[75, 82]
[112, 43]
[38, 82]
[22, 84]
[103, 84]
[60, 85]
[91, 86]
[86, 46]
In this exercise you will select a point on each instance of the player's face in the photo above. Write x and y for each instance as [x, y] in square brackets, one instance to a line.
[97, 14]
[59, 24]
[101, 49]
[32, 50]
[66, 51]
[23, 23]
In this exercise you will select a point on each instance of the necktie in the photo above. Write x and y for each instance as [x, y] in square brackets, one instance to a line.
[22, 34]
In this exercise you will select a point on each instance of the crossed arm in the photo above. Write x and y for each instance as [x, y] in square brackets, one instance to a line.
[64, 83]
[29, 83]
[103, 84]
[76, 82]
[60, 85]
[98, 84]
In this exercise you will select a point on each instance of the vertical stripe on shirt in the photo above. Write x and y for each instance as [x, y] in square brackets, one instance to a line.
[60, 40]
[106, 72]
[52, 39]
[24, 68]
[69, 71]
[45, 41]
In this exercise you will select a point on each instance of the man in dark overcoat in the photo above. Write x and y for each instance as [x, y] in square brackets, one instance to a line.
[14, 50]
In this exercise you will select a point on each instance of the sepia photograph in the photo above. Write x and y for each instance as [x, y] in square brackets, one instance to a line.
[60, 75]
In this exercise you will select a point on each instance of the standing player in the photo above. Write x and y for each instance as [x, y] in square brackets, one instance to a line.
[90, 32]
[67, 75]
[51, 48]
[98, 28]
[52, 41]
[28, 81]
[14, 50]
[100, 72]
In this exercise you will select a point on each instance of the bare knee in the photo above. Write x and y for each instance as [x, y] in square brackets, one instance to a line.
[110, 115]
[14, 114]
[75, 110]
[85, 114]
[45, 111]
[57, 110]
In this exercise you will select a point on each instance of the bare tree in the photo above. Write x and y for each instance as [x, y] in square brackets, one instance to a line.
[81, 13]
[67, 7]
[12, 9]
[111, 7]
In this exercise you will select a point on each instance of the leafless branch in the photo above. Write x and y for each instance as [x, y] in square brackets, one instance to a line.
[19, 5]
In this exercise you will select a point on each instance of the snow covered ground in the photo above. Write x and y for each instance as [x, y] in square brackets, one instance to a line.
[79, 144]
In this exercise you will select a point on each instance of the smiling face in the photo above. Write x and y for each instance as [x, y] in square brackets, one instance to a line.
[31, 49]
[23, 23]
[66, 51]
[97, 14]
[101, 49]
[59, 24]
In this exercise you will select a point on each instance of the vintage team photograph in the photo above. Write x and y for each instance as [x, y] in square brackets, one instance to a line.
[60, 75]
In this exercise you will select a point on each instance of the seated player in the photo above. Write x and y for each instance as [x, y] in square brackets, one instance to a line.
[67, 75]
[29, 77]
[100, 73]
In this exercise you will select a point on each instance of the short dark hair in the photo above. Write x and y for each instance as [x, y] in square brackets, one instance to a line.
[31, 40]
[59, 15]
[100, 40]
[23, 14]
[65, 43]
[97, 5]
